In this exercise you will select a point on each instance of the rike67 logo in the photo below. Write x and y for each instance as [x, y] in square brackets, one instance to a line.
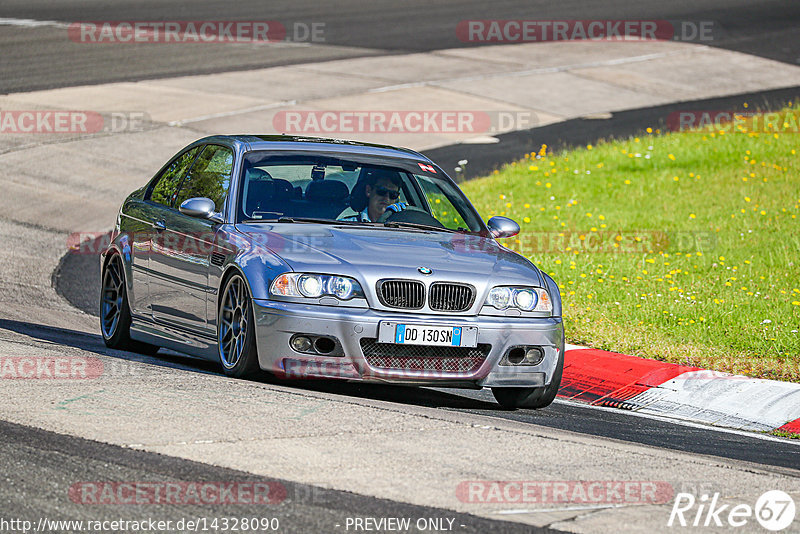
[774, 510]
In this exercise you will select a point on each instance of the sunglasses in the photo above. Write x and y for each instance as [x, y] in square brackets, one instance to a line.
[383, 192]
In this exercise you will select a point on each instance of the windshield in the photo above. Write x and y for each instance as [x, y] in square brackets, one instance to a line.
[322, 188]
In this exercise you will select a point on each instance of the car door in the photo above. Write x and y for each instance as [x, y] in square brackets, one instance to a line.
[144, 223]
[179, 265]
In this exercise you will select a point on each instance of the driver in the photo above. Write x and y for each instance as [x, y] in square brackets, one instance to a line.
[382, 193]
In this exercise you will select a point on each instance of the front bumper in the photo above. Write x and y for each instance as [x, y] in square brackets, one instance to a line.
[276, 323]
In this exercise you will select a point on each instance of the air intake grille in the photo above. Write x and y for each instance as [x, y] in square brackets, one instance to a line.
[217, 259]
[451, 297]
[406, 294]
[423, 357]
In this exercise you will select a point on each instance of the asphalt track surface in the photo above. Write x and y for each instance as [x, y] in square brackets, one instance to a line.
[44, 57]
[53, 462]
[606, 423]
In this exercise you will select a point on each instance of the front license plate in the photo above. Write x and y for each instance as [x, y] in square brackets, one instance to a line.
[425, 334]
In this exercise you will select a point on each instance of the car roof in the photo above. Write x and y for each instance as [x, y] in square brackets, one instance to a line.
[320, 144]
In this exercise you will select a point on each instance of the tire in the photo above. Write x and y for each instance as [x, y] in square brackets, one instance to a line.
[236, 339]
[115, 313]
[532, 398]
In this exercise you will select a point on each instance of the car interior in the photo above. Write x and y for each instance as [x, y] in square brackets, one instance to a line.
[318, 192]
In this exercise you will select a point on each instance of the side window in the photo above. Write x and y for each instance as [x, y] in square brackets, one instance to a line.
[166, 186]
[441, 206]
[210, 176]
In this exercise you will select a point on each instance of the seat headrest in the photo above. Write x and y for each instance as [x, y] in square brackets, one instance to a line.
[283, 188]
[259, 193]
[327, 190]
[254, 173]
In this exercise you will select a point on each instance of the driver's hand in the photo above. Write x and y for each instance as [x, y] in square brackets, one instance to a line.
[397, 206]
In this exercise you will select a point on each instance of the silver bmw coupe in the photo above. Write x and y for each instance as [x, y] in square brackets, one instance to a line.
[321, 258]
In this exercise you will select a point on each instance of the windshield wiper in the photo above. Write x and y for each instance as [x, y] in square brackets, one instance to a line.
[398, 224]
[310, 220]
[304, 220]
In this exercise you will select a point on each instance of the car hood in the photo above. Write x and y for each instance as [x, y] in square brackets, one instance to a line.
[388, 252]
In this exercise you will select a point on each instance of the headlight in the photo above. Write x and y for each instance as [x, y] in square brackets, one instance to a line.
[523, 298]
[342, 288]
[315, 286]
[310, 285]
[500, 297]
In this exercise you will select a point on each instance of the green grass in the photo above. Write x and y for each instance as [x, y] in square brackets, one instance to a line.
[782, 434]
[684, 247]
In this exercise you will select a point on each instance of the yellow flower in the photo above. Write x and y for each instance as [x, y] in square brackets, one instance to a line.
[671, 156]
[691, 216]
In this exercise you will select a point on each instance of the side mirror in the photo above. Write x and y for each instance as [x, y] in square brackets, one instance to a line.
[501, 227]
[202, 208]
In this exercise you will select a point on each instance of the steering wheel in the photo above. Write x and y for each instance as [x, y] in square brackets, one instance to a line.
[413, 215]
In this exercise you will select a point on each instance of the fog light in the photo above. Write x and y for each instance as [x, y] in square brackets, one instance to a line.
[534, 356]
[301, 343]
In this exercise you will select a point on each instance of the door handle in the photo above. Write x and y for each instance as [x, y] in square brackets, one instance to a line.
[159, 226]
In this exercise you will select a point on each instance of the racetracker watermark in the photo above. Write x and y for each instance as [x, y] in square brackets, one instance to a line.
[329, 122]
[710, 121]
[535, 31]
[178, 492]
[71, 122]
[543, 242]
[49, 368]
[609, 242]
[564, 492]
[194, 32]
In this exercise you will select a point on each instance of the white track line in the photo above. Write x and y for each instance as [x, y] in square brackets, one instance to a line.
[31, 23]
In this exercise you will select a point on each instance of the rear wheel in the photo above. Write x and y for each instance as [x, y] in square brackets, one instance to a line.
[236, 331]
[540, 397]
[115, 314]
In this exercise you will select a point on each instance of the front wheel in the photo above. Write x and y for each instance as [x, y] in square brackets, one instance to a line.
[540, 397]
[235, 330]
[115, 315]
